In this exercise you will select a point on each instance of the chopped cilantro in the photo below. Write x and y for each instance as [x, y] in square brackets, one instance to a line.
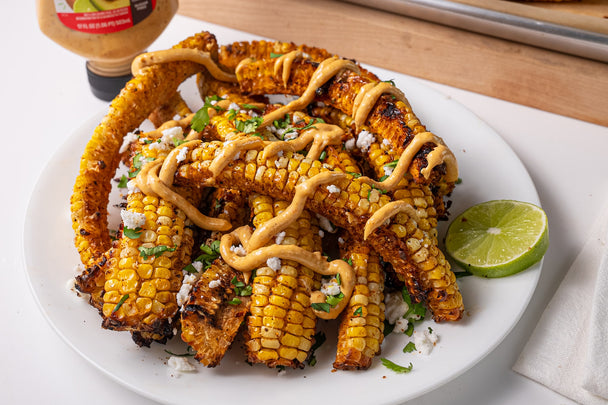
[358, 311]
[410, 328]
[122, 183]
[391, 81]
[132, 233]
[275, 55]
[320, 306]
[188, 353]
[349, 261]
[155, 251]
[210, 253]
[392, 164]
[177, 142]
[381, 179]
[417, 309]
[190, 269]
[234, 301]
[338, 279]
[334, 300]
[396, 367]
[249, 126]
[240, 288]
[355, 175]
[282, 123]
[201, 118]
[458, 181]
[122, 301]
[430, 330]
[138, 162]
[409, 347]
[311, 124]
[322, 156]
[251, 107]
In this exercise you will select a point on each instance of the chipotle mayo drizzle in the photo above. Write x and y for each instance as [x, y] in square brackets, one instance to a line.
[385, 213]
[367, 97]
[433, 160]
[325, 71]
[283, 63]
[181, 54]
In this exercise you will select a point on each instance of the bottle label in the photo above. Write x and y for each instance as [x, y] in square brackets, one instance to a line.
[102, 16]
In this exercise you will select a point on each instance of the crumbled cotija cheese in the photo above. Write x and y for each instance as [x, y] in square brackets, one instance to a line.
[198, 266]
[239, 250]
[425, 341]
[274, 263]
[172, 134]
[132, 220]
[388, 170]
[184, 291]
[129, 138]
[350, 144]
[280, 237]
[330, 286]
[180, 364]
[333, 189]
[132, 187]
[364, 140]
[215, 283]
[181, 155]
[395, 307]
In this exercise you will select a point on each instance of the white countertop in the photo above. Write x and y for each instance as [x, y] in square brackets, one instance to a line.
[46, 97]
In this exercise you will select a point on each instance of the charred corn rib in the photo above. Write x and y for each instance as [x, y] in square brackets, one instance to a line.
[362, 323]
[231, 55]
[214, 312]
[144, 270]
[282, 324]
[100, 158]
[350, 208]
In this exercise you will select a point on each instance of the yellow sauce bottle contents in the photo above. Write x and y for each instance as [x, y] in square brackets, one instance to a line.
[108, 33]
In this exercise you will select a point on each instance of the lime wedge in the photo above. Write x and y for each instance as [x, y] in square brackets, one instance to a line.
[498, 238]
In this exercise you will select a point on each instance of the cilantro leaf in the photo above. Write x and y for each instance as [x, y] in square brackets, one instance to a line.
[234, 301]
[275, 55]
[320, 306]
[323, 156]
[396, 367]
[409, 347]
[249, 126]
[138, 162]
[154, 251]
[201, 118]
[240, 288]
[334, 300]
[122, 183]
[311, 124]
[381, 179]
[319, 338]
[392, 164]
[388, 327]
[410, 329]
[132, 233]
[355, 175]
[122, 301]
[358, 311]
[210, 253]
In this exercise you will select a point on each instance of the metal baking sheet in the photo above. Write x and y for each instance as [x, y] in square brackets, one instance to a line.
[557, 37]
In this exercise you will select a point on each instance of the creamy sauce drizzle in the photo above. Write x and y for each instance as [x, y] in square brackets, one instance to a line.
[258, 254]
[367, 97]
[385, 213]
[325, 71]
[283, 63]
[178, 55]
[443, 155]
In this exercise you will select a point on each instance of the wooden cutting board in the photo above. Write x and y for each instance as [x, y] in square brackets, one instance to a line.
[539, 78]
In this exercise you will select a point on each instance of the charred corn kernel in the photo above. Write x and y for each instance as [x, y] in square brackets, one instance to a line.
[280, 300]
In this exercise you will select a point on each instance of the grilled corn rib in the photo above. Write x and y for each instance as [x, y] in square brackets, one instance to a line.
[282, 323]
[144, 270]
[402, 242]
[214, 312]
[175, 106]
[100, 158]
[362, 323]
[231, 55]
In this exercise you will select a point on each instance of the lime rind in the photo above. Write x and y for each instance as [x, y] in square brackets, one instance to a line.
[518, 238]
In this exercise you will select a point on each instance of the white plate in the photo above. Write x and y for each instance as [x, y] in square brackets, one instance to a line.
[489, 170]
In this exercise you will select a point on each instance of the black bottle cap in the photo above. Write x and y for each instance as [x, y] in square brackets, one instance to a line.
[106, 88]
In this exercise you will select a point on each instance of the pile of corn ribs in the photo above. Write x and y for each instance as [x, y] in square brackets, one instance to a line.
[166, 271]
